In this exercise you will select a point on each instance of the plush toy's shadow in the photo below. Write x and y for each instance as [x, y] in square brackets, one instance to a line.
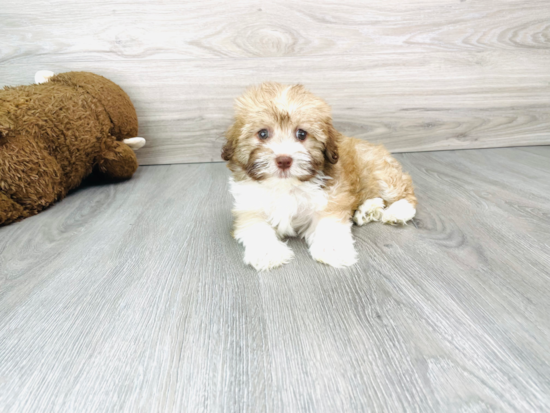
[94, 180]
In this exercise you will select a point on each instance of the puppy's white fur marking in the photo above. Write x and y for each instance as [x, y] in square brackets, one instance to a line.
[286, 204]
[263, 250]
[330, 241]
[283, 102]
[371, 210]
[398, 213]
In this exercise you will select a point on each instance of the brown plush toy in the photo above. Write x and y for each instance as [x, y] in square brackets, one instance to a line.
[54, 134]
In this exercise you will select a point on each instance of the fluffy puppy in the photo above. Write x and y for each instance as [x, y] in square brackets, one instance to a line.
[295, 175]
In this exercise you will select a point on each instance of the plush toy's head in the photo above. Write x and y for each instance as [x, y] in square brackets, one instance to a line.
[54, 134]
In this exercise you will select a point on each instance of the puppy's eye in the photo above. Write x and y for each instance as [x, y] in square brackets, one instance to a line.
[263, 134]
[301, 134]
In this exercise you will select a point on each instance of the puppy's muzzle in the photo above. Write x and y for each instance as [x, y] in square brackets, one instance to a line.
[284, 162]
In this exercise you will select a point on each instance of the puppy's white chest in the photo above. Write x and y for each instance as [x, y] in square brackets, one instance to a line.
[288, 205]
[291, 212]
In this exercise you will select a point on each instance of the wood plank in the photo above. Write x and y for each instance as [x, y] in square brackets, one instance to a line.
[133, 297]
[407, 101]
[174, 29]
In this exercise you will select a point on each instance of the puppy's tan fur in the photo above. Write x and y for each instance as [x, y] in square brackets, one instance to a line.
[353, 170]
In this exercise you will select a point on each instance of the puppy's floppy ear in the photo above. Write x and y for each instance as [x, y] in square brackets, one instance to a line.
[232, 135]
[227, 152]
[331, 145]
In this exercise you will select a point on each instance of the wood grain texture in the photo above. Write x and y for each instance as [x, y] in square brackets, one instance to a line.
[175, 29]
[409, 102]
[421, 76]
[133, 297]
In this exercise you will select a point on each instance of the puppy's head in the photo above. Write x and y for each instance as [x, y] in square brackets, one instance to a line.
[282, 132]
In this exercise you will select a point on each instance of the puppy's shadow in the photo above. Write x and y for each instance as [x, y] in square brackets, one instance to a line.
[298, 245]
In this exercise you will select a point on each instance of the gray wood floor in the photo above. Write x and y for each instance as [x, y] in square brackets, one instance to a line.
[133, 297]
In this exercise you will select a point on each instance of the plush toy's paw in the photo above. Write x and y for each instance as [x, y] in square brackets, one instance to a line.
[265, 256]
[9, 210]
[135, 143]
[116, 161]
[42, 76]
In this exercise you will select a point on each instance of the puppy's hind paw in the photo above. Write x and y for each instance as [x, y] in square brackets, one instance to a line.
[265, 257]
[398, 213]
[370, 210]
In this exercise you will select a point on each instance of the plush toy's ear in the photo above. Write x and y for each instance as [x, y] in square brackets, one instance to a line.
[331, 145]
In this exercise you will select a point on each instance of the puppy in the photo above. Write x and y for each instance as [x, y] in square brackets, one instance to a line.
[295, 175]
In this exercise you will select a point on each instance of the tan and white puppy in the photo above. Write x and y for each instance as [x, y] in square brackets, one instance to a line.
[295, 175]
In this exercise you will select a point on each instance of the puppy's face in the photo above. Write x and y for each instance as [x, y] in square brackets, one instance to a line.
[282, 132]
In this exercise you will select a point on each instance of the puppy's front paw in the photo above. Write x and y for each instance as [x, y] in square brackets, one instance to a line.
[265, 256]
[332, 244]
[333, 253]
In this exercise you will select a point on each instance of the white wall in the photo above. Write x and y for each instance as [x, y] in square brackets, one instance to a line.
[415, 75]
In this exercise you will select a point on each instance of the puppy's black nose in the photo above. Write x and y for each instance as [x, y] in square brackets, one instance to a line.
[283, 162]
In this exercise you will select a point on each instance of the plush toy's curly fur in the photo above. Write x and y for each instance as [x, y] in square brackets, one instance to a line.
[54, 134]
